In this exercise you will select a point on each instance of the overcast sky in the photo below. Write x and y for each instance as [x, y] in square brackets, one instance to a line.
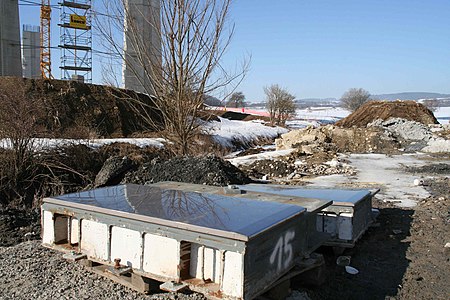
[321, 48]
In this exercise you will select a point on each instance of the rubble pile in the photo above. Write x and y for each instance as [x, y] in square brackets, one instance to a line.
[357, 140]
[407, 130]
[296, 166]
[376, 127]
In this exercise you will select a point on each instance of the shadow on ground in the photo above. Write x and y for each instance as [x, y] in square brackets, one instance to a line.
[380, 257]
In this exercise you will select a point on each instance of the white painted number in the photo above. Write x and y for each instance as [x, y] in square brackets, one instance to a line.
[283, 249]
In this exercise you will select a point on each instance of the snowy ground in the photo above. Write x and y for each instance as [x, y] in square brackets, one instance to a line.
[373, 171]
[442, 114]
[226, 131]
[248, 159]
[46, 143]
[383, 172]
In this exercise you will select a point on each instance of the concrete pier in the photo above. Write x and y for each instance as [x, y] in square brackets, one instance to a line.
[10, 57]
[31, 51]
[142, 33]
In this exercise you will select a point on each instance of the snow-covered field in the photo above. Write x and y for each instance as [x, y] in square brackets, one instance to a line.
[442, 114]
[319, 115]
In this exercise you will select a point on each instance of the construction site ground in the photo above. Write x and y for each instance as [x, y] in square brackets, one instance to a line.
[402, 256]
[405, 254]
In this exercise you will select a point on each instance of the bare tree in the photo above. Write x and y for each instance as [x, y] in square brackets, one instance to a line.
[237, 99]
[354, 98]
[182, 66]
[279, 103]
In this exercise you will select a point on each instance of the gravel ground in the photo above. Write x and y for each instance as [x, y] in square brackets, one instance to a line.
[30, 271]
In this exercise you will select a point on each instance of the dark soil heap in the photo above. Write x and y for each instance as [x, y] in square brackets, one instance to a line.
[374, 110]
[72, 109]
[209, 170]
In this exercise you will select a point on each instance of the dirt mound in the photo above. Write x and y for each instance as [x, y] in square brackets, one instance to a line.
[78, 110]
[374, 110]
[209, 170]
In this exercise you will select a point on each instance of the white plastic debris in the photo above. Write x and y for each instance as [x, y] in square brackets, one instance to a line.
[418, 182]
[351, 270]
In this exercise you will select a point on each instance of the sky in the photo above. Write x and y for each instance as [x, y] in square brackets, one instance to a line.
[321, 48]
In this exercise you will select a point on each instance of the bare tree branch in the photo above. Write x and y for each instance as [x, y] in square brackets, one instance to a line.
[181, 65]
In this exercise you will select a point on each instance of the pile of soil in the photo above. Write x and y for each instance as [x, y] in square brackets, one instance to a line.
[68, 169]
[374, 110]
[269, 168]
[210, 170]
[78, 110]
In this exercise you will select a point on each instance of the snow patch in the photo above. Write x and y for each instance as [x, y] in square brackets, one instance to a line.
[245, 132]
[46, 143]
[381, 171]
[437, 146]
[249, 159]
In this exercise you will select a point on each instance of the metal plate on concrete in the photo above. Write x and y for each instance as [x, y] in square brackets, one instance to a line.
[310, 204]
[219, 212]
[339, 197]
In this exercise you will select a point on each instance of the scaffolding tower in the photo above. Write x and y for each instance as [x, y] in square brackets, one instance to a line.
[76, 40]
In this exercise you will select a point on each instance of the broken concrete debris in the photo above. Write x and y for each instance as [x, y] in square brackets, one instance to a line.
[389, 137]
[376, 127]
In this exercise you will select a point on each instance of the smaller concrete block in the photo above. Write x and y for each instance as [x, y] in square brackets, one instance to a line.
[119, 271]
[170, 286]
[73, 256]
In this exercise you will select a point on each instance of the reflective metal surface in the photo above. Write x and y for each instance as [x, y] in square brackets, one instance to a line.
[344, 197]
[239, 215]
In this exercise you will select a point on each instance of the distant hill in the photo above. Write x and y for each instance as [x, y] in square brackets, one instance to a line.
[410, 96]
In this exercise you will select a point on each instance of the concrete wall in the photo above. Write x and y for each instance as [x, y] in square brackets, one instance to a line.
[94, 239]
[141, 33]
[31, 51]
[74, 231]
[161, 255]
[154, 253]
[10, 58]
[205, 263]
[126, 244]
[48, 229]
